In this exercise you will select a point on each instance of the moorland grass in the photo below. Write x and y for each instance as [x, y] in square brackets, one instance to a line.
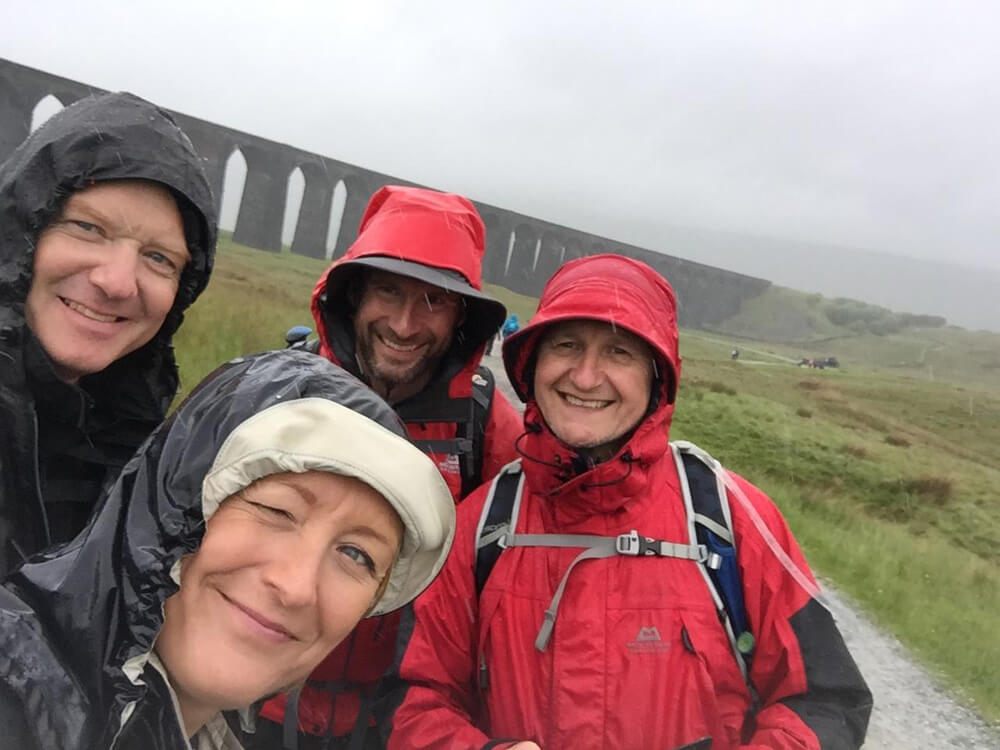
[912, 535]
[911, 532]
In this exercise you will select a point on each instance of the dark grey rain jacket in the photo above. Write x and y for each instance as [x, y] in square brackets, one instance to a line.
[61, 444]
[71, 618]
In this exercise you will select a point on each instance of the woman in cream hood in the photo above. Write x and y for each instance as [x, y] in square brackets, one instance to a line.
[279, 505]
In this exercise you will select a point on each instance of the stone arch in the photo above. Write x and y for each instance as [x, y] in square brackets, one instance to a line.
[552, 247]
[358, 190]
[337, 204]
[261, 210]
[497, 248]
[573, 250]
[47, 106]
[511, 239]
[521, 261]
[233, 184]
[294, 192]
[314, 213]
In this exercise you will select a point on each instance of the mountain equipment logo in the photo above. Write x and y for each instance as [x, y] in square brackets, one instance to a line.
[648, 641]
[449, 465]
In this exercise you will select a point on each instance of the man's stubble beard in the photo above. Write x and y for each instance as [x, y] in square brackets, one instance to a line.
[385, 382]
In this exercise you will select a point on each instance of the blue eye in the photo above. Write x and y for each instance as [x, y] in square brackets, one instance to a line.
[358, 556]
[163, 264]
[161, 259]
[85, 230]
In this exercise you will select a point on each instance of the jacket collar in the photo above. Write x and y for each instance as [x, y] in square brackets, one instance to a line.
[578, 490]
[57, 402]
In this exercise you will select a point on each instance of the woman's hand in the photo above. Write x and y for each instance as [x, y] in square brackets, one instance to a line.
[526, 745]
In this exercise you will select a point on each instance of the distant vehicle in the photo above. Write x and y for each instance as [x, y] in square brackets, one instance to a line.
[819, 364]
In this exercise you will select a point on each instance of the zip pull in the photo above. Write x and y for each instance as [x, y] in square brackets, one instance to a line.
[686, 640]
[484, 674]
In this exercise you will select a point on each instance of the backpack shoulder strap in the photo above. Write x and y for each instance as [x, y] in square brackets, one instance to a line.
[483, 386]
[710, 523]
[498, 518]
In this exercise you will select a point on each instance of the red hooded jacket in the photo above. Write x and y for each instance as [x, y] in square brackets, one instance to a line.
[637, 658]
[438, 238]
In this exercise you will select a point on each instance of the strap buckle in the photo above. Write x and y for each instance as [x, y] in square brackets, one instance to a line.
[632, 544]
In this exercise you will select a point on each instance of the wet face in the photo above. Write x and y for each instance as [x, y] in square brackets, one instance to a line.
[592, 384]
[285, 571]
[106, 272]
[402, 327]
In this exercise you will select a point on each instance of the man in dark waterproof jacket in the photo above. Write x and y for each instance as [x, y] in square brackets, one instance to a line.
[107, 234]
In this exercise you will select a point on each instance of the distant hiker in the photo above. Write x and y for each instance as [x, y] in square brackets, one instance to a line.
[404, 311]
[278, 506]
[609, 589]
[510, 326]
[107, 234]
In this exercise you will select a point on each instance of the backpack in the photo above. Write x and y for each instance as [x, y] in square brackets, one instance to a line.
[470, 416]
[711, 548]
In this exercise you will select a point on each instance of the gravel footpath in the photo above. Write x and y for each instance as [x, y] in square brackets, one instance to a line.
[912, 711]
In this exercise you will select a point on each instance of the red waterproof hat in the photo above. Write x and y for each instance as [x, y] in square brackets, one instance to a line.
[434, 237]
[612, 288]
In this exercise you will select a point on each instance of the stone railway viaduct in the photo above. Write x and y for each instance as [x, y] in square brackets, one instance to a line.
[521, 253]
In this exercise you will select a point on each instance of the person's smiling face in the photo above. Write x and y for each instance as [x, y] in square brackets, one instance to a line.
[105, 275]
[592, 383]
[285, 571]
[403, 327]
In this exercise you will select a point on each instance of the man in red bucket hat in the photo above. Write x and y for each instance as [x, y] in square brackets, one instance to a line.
[404, 310]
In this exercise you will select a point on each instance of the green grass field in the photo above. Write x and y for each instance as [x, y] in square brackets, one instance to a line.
[887, 469]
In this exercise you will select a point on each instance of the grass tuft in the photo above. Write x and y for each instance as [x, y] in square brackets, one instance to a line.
[937, 489]
[717, 387]
[854, 450]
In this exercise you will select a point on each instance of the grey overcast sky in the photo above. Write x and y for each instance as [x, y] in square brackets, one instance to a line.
[867, 123]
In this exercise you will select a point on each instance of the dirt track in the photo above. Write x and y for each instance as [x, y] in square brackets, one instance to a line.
[911, 710]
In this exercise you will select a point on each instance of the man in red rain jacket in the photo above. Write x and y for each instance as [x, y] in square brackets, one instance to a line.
[631, 652]
[404, 311]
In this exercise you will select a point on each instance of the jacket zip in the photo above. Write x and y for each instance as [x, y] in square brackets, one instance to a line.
[38, 479]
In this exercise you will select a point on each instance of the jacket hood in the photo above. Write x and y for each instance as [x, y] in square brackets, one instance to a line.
[434, 237]
[97, 602]
[626, 293]
[611, 288]
[99, 138]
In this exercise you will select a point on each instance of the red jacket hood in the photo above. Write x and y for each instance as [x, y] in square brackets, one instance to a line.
[442, 230]
[435, 237]
[626, 293]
